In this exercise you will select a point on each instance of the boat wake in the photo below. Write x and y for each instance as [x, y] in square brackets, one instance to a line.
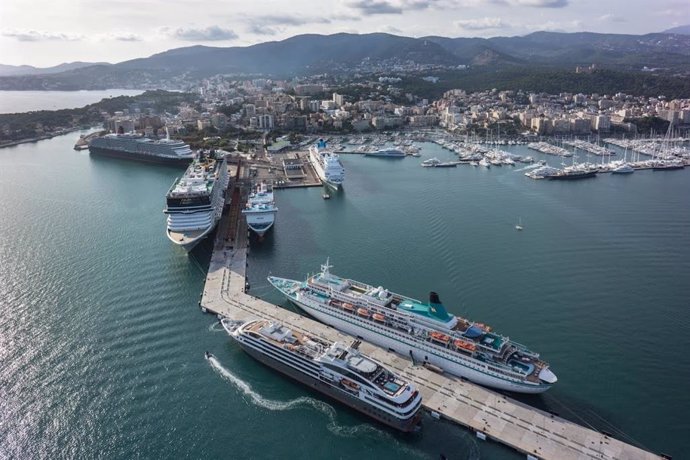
[216, 327]
[528, 167]
[304, 401]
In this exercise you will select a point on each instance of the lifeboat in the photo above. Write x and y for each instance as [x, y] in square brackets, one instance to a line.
[483, 326]
[348, 307]
[464, 345]
[363, 312]
[438, 337]
[379, 317]
[350, 384]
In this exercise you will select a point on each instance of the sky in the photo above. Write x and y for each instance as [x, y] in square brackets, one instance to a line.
[48, 32]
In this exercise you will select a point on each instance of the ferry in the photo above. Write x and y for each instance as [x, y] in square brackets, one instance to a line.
[332, 368]
[425, 332]
[327, 165]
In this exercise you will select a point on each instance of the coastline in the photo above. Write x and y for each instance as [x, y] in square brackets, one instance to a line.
[39, 138]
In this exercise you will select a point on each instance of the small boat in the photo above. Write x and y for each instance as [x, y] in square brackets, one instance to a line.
[464, 345]
[208, 355]
[439, 337]
[348, 307]
[326, 196]
[518, 226]
[379, 317]
[363, 312]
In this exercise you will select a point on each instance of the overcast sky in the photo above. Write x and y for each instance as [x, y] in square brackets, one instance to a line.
[48, 32]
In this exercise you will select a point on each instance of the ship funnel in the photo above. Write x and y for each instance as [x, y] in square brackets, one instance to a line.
[436, 308]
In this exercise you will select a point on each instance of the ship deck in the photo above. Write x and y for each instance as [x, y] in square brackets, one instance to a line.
[526, 429]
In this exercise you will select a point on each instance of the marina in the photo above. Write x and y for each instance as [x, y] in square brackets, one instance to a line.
[491, 415]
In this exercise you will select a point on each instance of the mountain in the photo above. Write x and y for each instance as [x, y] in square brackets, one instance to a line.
[343, 53]
[9, 70]
[580, 48]
[682, 30]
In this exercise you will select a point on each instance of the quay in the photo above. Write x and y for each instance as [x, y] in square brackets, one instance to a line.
[533, 432]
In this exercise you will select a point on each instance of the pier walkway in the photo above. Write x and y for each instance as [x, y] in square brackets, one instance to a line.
[533, 432]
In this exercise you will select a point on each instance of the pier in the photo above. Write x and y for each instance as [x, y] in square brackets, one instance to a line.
[533, 432]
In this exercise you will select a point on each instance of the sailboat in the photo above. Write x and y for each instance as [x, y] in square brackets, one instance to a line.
[518, 226]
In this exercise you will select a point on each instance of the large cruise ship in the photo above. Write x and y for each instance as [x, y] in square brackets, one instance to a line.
[261, 209]
[336, 370]
[327, 165]
[140, 148]
[425, 332]
[195, 201]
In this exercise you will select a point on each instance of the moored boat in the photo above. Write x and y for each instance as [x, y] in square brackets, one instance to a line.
[333, 369]
[422, 331]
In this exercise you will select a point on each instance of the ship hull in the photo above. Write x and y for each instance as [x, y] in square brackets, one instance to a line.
[586, 175]
[329, 390]
[407, 347]
[139, 157]
[260, 223]
[190, 243]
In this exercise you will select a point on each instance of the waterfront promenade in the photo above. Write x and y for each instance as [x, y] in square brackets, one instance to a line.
[533, 432]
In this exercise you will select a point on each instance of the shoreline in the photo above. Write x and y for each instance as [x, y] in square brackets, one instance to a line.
[40, 138]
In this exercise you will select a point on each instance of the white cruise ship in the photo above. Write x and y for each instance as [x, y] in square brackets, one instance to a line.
[195, 201]
[327, 165]
[339, 371]
[261, 209]
[424, 332]
[141, 148]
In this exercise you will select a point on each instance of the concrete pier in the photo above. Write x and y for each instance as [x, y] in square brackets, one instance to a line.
[533, 432]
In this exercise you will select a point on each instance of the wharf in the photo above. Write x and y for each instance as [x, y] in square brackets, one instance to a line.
[533, 432]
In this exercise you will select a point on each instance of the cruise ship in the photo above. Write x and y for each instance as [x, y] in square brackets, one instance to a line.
[425, 332]
[140, 148]
[195, 201]
[327, 165]
[261, 209]
[334, 369]
[386, 153]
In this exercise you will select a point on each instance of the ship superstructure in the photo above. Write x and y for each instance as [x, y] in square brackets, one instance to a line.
[332, 368]
[327, 165]
[195, 201]
[424, 332]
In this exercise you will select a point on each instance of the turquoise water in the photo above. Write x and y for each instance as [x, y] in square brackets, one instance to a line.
[27, 101]
[102, 342]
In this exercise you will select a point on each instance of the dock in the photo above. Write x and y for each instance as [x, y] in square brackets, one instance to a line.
[532, 432]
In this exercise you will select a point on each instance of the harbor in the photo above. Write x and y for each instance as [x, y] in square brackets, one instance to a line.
[490, 415]
[109, 304]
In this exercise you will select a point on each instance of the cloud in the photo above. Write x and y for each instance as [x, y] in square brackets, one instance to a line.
[38, 36]
[207, 34]
[257, 29]
[370, 8]
[125, 37]
[288, 20]
[556, 26]
[534, 3]
[610, 18]
[480, 24]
